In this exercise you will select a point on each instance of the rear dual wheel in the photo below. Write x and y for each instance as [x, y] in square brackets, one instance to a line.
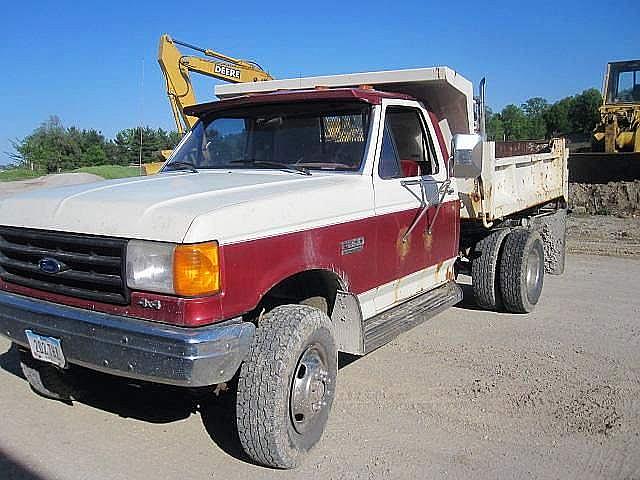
[484, 270]
[508, 270]
[521, 273]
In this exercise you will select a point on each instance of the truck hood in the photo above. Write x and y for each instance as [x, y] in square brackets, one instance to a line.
[165, 207]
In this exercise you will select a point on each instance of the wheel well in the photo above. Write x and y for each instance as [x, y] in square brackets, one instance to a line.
[299, 287]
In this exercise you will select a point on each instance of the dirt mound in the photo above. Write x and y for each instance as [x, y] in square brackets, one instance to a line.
[614, 198]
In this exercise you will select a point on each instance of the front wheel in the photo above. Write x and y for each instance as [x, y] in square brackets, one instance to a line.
[286, 385]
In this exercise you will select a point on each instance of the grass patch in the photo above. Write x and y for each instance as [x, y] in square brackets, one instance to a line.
[11, 174]
[111, 171]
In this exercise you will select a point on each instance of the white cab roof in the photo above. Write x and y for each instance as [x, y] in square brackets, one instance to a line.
[444, 91]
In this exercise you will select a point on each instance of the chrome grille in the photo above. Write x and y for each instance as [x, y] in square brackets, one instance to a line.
[90, 267]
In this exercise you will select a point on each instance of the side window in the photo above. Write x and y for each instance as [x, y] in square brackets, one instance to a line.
[416, 154]
[389, 166]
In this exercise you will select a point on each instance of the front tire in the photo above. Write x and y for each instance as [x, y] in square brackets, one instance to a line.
[521, 270]
[286, 385]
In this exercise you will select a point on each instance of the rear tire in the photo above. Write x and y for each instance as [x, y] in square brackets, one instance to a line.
[286, 385]
[484, 270]
[521, 272]
[47, 380]
[553, 231]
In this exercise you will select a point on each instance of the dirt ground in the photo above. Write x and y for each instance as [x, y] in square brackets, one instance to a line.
[46, 181]
[604, 235]
[469, 394]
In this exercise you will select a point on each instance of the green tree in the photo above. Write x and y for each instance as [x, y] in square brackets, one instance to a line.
[53, 148]
[515, 123]
[534, 109]
[495, 127]
[49, 148]
[583, 111]
[557, 118]
[127, 145]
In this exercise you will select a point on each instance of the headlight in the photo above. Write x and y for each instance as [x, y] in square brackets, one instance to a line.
[186, 270]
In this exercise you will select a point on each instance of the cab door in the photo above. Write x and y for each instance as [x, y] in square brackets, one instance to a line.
[414, 235]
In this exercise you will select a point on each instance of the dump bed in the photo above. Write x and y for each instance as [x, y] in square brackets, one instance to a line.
[446, 93]
[510, 184]
[507, 185]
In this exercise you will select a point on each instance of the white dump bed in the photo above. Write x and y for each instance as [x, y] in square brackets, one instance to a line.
[447, 93]
[510, 185]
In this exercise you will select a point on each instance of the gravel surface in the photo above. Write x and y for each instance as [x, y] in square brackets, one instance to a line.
[47, 181]
[469, 394]
[604, 235]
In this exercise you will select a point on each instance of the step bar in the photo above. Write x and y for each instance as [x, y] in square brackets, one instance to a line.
[386, 326]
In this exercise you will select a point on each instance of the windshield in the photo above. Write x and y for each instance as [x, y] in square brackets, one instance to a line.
[624, 85]
[311, 136]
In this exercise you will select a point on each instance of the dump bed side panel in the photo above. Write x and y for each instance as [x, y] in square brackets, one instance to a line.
[512, 184]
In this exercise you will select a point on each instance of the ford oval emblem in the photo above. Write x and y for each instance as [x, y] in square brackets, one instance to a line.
[51, 265]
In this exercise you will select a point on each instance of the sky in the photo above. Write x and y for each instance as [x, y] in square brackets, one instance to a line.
[93, 64]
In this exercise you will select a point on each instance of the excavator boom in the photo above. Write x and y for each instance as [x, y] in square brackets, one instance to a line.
[176, 68]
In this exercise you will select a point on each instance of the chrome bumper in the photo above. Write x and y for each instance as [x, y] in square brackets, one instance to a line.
[127, 347]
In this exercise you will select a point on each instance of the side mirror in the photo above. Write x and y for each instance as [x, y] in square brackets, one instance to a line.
[467, 155]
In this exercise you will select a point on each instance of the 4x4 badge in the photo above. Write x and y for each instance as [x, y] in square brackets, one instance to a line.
[146, 303]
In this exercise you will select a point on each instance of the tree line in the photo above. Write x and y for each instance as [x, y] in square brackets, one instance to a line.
[538, 119]
[53, 148]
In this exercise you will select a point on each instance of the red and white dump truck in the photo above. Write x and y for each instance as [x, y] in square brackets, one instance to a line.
[298, 219]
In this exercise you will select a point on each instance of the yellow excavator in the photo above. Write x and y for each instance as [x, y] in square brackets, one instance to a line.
[176, 68]
[619, 128]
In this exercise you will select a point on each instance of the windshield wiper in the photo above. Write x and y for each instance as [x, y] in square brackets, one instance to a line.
[267, 163]
[182, 165]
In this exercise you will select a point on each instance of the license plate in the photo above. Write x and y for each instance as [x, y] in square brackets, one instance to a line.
[47, 349]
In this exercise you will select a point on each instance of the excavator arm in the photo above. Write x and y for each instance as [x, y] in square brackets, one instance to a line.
[176, 68]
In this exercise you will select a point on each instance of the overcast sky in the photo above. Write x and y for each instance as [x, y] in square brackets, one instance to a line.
[84, 61]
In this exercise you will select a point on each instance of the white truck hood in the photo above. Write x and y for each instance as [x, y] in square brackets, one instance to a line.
[221, 205]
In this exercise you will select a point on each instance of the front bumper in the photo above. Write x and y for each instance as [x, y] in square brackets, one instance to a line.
[127, 347]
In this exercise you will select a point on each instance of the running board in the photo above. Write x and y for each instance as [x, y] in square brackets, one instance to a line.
[386, 326]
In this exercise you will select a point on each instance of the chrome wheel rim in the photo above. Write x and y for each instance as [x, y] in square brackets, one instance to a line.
[533, 270]
[309, 389]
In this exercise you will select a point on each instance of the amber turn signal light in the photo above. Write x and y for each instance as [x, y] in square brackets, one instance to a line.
[196, 269]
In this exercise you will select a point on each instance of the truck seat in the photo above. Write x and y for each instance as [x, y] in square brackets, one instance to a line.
[410, 168]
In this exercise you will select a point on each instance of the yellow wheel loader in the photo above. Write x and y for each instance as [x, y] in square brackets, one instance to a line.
[619, 128]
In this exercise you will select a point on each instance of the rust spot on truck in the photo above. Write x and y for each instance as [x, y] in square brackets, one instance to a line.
[402, 247]
[428, 240]
[476, 201]
[450, 274]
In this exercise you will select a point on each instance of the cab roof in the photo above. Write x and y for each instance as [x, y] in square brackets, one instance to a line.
[366, 95]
